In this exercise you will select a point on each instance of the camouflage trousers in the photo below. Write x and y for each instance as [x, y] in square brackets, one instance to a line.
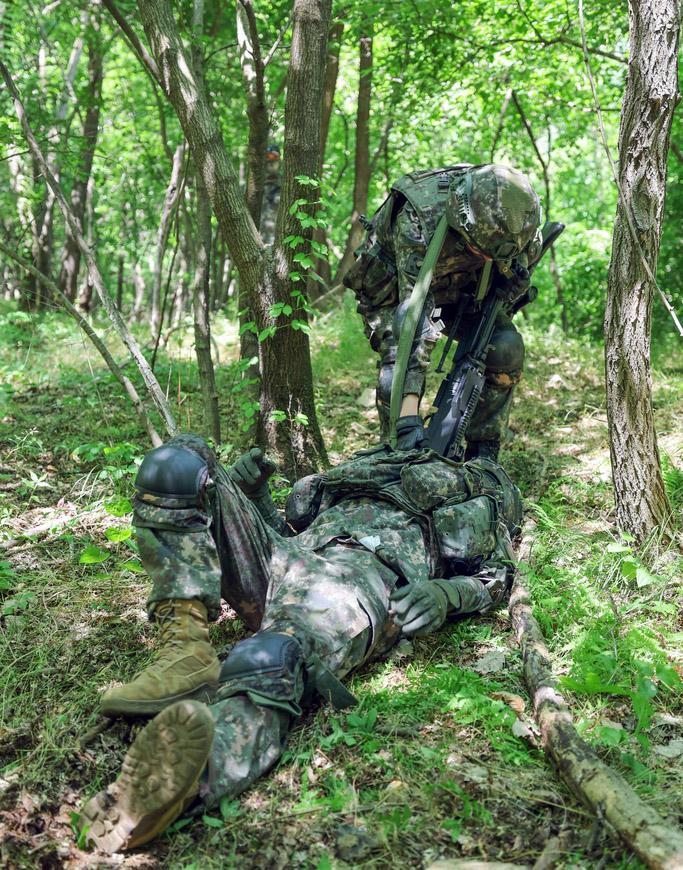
[333, 600]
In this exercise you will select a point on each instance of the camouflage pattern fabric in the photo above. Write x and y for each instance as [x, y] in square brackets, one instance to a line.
[329, 587]
[384, 274]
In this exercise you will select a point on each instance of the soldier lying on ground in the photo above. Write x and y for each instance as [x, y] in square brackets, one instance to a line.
[389, 543]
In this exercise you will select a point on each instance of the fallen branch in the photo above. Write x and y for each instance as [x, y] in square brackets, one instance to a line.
[101, 347]
[606, 792]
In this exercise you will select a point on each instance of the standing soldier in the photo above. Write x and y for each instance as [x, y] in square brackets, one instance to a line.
[493, 216]
[271, 194]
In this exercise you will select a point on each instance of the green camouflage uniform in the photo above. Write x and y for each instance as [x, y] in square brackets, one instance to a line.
[384, 274]
[384, 519]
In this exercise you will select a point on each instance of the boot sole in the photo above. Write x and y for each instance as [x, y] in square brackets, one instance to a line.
[158, 776]
[146, 707]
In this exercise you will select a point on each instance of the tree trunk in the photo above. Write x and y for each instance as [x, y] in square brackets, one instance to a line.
[200, 285]
[86, 298]
[362, 168]
[173, 192]
[300, 446]
[322, 264]
[646, 116]
[43, 224]
[287, 351]
[119, 283]
[71, 255]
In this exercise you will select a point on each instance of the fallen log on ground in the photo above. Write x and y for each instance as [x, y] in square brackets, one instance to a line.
[606, 792]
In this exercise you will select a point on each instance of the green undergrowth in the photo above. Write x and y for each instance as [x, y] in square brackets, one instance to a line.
[441, 755]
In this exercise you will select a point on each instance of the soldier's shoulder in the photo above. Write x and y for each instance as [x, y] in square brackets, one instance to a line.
[427, 177]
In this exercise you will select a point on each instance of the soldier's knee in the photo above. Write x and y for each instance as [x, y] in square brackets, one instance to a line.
[505, 359]
[384, 382]
[270, 665]
[173, 471]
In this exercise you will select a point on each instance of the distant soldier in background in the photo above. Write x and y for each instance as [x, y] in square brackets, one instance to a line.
[493, 217]
[271, 194]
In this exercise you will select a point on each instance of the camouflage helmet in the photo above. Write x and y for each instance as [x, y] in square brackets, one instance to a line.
[495, 209]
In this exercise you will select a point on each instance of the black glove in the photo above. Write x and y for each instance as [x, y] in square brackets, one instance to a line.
[410, 432]
[251, 473]
[517, 284]
[420, 608]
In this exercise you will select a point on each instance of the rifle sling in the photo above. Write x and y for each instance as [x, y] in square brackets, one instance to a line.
[412, 318]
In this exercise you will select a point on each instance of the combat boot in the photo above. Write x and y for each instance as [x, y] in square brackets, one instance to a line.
[159, 779]
[186, 667]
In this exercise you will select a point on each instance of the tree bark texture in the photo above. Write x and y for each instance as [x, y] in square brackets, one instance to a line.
[251, 61]
[119, 325]
[257, 111]
[200, 285]
[285, 359]
[287, 353]
[361, 182]
[606, 792]
[173, 192]
[322, 265]
[647, 112]
[71, 255]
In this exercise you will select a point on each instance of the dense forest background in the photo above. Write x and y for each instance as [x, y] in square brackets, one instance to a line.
[404, 86]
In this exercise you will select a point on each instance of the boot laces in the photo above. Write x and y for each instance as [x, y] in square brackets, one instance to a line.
[168, 620]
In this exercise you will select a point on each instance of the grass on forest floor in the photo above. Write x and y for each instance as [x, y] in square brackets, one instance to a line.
[439, 757]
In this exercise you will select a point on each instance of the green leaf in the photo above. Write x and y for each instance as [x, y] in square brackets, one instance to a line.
[287, 310]
[294, 207]
[212, 822]
[92, 555]
[616, 547]
[278, 416]
[303, 259]
[248, 327]
[133, 566]
[302, 325]
[268, 332]
[114, 535]
[644, 577]
[301, 419]
[118, 507]
[629, 567]
[230, 809]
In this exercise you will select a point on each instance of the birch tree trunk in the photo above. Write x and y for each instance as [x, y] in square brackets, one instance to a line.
[361, 182]
[646, 116]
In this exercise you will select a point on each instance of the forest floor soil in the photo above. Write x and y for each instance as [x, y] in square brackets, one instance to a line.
[441, 757]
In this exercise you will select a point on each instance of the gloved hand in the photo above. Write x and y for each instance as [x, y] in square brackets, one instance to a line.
[518, 283]
[252, 471]
[419, 608]
[410, 432]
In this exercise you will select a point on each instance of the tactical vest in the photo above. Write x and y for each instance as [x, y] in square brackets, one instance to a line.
[427, 192]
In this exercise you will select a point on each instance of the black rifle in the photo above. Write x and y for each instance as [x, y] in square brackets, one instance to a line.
[461, 389]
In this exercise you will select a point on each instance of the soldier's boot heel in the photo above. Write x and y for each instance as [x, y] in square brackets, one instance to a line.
[186, 668]
[159, 778]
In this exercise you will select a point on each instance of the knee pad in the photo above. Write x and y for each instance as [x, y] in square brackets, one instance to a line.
[384, 382]
[269, 667]
[172, 471]
[506, 354]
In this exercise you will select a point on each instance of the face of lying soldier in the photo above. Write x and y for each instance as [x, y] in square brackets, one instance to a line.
[391, 544]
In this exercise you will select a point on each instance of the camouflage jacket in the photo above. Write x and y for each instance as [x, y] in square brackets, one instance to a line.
[420, 514]
[388, 263]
